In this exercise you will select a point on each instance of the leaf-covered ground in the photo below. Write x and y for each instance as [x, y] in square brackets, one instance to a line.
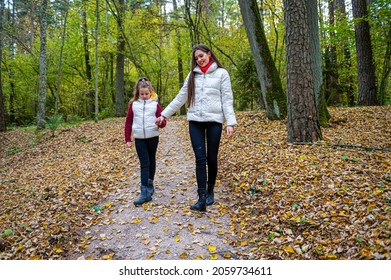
[330, 200]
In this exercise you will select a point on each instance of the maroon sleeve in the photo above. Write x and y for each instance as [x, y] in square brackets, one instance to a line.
[158, 114]
[128, 124]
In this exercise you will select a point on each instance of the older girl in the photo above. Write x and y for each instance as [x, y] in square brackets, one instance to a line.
[209, 97]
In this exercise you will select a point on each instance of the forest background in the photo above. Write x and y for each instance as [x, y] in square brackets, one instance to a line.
[292, 63]
[94, 51]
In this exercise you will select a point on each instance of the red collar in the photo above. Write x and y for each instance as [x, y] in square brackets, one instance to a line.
[204, 69]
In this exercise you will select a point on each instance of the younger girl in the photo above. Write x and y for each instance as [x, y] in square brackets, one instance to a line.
[140, 120]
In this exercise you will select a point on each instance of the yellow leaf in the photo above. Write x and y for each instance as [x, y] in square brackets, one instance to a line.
[183, 255]
[227, 255]
[213, 257]
[58, 250]
[289, 249]
[365, 252]
[20, 247]
[212, 248]
[331, 256]
[377, 191]
[136, 221]
[177, 239]
[168, 252]
[243, 243]
[108, 257]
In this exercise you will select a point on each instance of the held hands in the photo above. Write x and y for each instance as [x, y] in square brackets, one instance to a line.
[159, 121]
[129, 144]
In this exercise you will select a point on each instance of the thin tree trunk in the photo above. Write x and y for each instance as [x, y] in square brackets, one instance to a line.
[331, 72]
[272, 91]
[120, 64]
[60, 60]
[303, 124]
[345, 85]
[316, 61]
[42, 67]
[179, 58]
[367, 88]
[383, 96]
[90, 91]
[3, 120]
[96, 62]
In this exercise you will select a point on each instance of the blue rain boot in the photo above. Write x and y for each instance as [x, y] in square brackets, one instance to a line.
[144, 196]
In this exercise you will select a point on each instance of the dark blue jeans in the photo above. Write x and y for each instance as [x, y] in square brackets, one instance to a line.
[205, 139]
[146, 151]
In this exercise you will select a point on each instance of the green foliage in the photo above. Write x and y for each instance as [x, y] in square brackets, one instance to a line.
[53, 123]
[247, 88]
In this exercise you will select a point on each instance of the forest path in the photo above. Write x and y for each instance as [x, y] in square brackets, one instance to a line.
[164, 228]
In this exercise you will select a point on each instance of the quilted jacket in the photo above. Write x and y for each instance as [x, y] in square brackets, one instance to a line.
[213, 97]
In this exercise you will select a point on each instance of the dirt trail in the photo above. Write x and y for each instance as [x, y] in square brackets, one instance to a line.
[164, 228]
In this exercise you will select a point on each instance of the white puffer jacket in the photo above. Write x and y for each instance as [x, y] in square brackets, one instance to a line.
[144, 117]
[213, 100]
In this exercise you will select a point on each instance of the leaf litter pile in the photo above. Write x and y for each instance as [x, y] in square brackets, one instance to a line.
[329, 200]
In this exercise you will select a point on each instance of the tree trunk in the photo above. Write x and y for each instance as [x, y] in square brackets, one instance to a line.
[346, 84]
[60, 60]
[303, 124]
[179, 58]
[316, 61]
[42, 68]
[120, 67]
[367, 88]
[96, 62]
[3, 120]
[11, 73]
[90, 90]
[332, 93]
[272, 91]
[383, 96]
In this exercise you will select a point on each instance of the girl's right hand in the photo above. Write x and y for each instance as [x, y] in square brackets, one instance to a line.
[129, 144]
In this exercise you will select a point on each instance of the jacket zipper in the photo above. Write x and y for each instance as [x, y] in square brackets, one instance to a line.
[145, 136]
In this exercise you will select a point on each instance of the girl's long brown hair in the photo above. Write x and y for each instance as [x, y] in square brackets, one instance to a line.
[191, 84]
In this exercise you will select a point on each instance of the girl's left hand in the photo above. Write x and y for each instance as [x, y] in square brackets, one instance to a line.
[230, 131]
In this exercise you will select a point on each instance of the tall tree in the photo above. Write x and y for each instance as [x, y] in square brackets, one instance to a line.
[316, 61]
[367, 87]
[120, 64]
[303, 124]
[386, 70]
[96, 61]
[59, 72]
[345, 83]
[332, 93]
[87, 60]
[273, 94]
[3, 120]
[42, 67]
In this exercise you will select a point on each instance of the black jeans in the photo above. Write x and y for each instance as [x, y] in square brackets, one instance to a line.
[205, 139]
[146, 151]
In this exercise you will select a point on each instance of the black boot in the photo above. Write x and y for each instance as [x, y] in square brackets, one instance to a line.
[210, 196]
[151, 188]
[144, 196]
[200, 205]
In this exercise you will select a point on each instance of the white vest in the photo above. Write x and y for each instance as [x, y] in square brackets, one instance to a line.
[144, 117]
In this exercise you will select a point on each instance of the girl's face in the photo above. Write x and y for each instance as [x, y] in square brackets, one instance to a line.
[144, 93]
[202, 58]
